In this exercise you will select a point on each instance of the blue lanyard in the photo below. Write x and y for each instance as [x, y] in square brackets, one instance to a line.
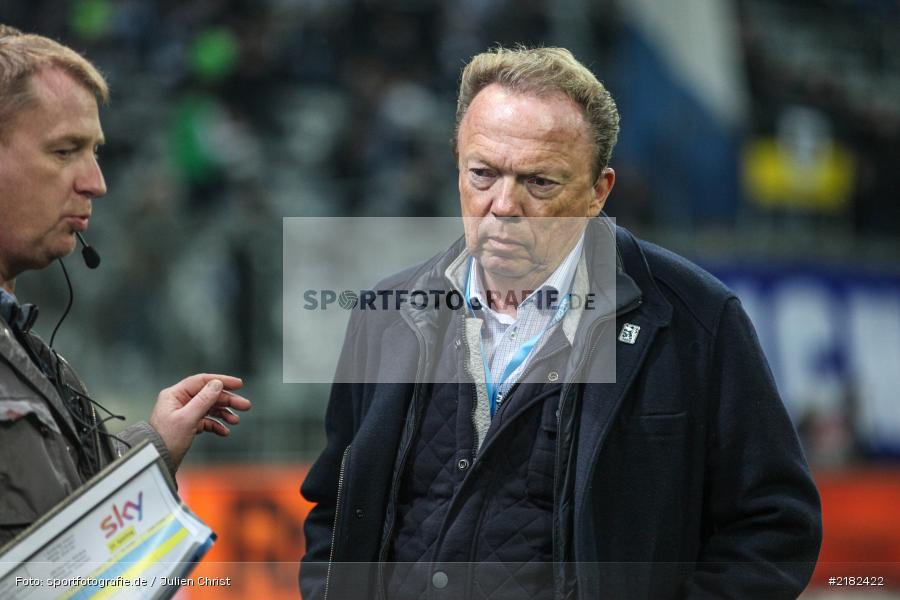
[521, 355]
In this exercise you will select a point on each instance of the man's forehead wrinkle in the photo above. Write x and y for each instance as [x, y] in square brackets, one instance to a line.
[557, 113]
[520, 154]
[508, 120]
[531, 135]
[523, 132]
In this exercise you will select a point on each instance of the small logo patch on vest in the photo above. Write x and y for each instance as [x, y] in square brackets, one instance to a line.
[629, 333]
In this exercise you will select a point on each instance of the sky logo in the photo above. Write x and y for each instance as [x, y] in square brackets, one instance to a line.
[130, 511]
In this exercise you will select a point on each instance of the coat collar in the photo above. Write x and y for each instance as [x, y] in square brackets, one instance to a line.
[633, 262]
[14, 354]
[629, 276]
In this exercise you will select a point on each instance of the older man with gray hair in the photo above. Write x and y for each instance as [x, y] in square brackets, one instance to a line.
[511, 465]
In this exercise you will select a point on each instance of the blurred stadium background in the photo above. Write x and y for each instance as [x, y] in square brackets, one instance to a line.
[761, 138]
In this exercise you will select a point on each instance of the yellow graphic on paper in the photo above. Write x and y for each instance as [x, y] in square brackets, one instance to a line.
[120, 540]
[168, 545]
[143, 564]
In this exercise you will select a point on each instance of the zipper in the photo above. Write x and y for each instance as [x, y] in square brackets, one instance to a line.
[96, 437]
[337, 512]
[468, 353]
[558, 578]
[581, 363]
[404, 455]
[557, 469]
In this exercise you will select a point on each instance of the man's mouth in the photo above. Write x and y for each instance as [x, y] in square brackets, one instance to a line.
[503, 243]
[78, 222]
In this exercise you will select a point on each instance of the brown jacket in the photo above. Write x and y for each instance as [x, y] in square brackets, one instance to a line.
[38, 439]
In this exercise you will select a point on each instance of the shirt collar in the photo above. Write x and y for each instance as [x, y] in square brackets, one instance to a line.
[9, 306]
[18, 316]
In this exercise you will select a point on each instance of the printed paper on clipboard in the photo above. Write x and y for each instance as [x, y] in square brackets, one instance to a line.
[126, 534]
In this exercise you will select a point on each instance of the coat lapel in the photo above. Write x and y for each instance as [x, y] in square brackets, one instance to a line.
[601, 402]
[11, 350]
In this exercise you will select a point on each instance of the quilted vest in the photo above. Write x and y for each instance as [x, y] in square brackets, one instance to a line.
[476, 523]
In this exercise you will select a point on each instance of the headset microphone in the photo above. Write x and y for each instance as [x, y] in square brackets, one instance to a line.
[90, 256]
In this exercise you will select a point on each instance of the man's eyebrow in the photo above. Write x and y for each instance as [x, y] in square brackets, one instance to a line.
[475, 158]
[483, 163]
[560, 176]
[80, 140]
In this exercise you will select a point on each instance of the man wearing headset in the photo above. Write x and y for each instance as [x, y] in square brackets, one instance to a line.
[52, 437]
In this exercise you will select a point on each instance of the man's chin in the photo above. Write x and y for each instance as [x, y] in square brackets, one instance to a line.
[54, 254]
[508, 270]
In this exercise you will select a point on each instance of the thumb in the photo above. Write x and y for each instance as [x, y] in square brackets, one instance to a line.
[203, 402]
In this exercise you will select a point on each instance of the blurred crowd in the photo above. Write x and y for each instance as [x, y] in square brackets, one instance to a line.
[228, 115]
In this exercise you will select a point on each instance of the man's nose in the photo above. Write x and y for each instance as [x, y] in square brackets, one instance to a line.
[508, 201]
[90, 181]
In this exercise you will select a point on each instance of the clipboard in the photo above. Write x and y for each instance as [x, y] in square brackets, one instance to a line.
[124, 534]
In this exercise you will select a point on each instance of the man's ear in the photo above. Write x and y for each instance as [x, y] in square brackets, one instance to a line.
[602, 187]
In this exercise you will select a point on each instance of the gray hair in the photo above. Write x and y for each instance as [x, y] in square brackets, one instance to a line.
[539, 72]
[23, 55]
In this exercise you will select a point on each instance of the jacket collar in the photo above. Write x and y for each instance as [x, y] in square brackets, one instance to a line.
[19, 316]
[633, 262]
[629, 277]
[14, 354]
